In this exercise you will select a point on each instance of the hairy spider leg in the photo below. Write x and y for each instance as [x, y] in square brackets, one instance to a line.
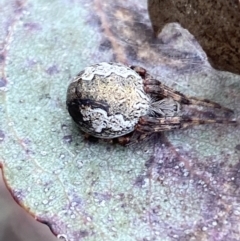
[149, 124]
[154, 86]
[165, 91]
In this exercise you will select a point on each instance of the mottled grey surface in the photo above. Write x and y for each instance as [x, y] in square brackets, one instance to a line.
[182, 185]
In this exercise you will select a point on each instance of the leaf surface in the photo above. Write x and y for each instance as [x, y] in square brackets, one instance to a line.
[182, 185]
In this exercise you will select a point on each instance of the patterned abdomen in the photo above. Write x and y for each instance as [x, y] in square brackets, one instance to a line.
[106, 100]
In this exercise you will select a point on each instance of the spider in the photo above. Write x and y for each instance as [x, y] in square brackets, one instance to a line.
[126, 104]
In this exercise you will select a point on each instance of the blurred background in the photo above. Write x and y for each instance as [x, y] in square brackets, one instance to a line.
[16, 224]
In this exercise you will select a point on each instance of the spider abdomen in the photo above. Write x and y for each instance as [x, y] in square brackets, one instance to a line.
[106, 100]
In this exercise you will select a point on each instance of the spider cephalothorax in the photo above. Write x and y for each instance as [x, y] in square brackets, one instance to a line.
[111, 100]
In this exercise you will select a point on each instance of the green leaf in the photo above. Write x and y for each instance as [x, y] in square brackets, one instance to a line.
[177, 186]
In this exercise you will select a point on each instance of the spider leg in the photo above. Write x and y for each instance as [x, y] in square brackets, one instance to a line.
[149, 124]
[165, 91]
[154, 86]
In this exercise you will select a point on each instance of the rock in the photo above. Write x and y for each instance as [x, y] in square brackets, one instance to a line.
[214, 23]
